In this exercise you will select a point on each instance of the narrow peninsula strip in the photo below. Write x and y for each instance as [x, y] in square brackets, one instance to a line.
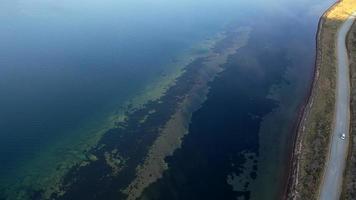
[311, 147]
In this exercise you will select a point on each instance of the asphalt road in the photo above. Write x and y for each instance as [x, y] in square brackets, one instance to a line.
[335, 166]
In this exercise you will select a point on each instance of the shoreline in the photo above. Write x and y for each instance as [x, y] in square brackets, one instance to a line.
[302, 114]
[310, 112]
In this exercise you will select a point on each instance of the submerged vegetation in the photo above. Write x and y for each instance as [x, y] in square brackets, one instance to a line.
[42, 177]
[171, 134]
[137, 126]
[236, 94]
[143, 144]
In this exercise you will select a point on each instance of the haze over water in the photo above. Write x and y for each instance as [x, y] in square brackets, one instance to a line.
[68, 62]
[65, 66]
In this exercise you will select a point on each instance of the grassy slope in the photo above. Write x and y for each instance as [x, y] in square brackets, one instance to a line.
[349, 188]
[314, 132]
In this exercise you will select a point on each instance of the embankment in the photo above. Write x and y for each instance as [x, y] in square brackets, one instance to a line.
[316, 124]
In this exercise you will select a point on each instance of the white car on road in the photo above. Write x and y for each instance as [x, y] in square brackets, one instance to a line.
[343, 136]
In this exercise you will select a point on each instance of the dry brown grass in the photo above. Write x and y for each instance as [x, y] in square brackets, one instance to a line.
[312, 144]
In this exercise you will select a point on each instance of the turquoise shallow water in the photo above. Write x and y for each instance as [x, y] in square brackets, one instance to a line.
[65, 66]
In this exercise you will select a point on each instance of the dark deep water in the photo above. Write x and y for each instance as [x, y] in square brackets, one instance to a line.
[226, 126]
[227, 137]
[64, 67]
